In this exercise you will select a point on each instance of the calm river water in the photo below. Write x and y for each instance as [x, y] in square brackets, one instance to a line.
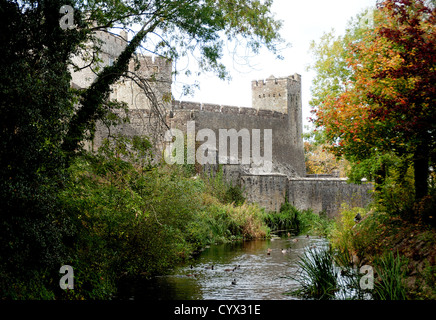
[259, 277]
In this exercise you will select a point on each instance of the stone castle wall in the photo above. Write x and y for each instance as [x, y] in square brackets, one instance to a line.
[287, 159]
[318, 194]
[327, 194]
[155, 70]
[276, 105]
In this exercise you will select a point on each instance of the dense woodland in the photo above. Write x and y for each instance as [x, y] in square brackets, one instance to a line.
[117, 213]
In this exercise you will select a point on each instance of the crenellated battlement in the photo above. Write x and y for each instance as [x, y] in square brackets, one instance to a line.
[275, 93]
[189, 106]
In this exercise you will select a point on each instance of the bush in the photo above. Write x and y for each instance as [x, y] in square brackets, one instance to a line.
[285, 220]
[132, 218]
[135, 219]
[342, 235]
[222, 223]
[126, 217]
[224, 191]
[315, 224]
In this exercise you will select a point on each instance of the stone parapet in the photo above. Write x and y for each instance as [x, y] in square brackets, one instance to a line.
[178, 105]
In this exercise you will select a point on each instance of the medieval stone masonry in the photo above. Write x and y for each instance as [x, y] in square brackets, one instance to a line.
[276, 105]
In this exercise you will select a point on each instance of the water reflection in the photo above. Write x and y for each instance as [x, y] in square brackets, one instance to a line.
[260, 276]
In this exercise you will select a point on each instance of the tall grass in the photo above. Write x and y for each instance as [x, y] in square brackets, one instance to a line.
[317, 275]
[390, 284]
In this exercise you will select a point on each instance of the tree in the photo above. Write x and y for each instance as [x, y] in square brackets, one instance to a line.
[387, 104]
[333, 75]
[318, 158]
[43, 121]
[35, 103]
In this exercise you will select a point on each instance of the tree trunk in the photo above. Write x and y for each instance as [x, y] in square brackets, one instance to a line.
[420, 165]
[380, 177]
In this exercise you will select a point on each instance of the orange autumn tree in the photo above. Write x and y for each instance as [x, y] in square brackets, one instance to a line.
[389, 104]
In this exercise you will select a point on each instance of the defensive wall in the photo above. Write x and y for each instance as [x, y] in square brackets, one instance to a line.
[276, 105]
[321, 193]
[287, 157]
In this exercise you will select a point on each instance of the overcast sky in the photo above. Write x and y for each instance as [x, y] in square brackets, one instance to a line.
[303, 21]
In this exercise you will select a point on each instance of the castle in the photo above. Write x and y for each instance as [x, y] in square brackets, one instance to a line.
[276, 105]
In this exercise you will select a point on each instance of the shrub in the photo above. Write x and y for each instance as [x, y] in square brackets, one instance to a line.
[131, 218]
[248, 220]
[315, 224]
[285, 220]
[341, 235]
[135, 219]
[225, 192]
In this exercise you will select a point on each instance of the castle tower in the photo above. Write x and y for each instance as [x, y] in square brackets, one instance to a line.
[157, 71]
[294, 106]
[270, 94]
[276, 94]
[284, 95]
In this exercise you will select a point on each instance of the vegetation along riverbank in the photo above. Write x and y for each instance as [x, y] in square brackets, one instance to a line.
[400, 253]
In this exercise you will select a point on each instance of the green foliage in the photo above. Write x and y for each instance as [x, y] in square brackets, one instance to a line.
[426, 283]
[317, 275]
[128, 208]
[320, 278]
[315, 224]
[135, 219]
[396, 186]
[382, 107]
[297, 221]
[223, 190]
[330, 56]
[226, 222]
[341, 236]
[34, 286]
[373, 241]
[285, 220]
[61, 206]
[364, 238]
[36, 101]
[390, 283]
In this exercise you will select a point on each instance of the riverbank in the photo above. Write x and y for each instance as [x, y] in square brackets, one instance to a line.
[379, 233]
[129, 218]
[378, 236]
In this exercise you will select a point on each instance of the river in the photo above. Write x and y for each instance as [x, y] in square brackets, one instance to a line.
[260, 276]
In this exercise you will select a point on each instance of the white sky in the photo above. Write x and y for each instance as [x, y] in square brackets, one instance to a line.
[303, 21]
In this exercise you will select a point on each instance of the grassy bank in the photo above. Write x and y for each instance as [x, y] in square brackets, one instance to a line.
[129, 218]
[381, 238]
[400, 253]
